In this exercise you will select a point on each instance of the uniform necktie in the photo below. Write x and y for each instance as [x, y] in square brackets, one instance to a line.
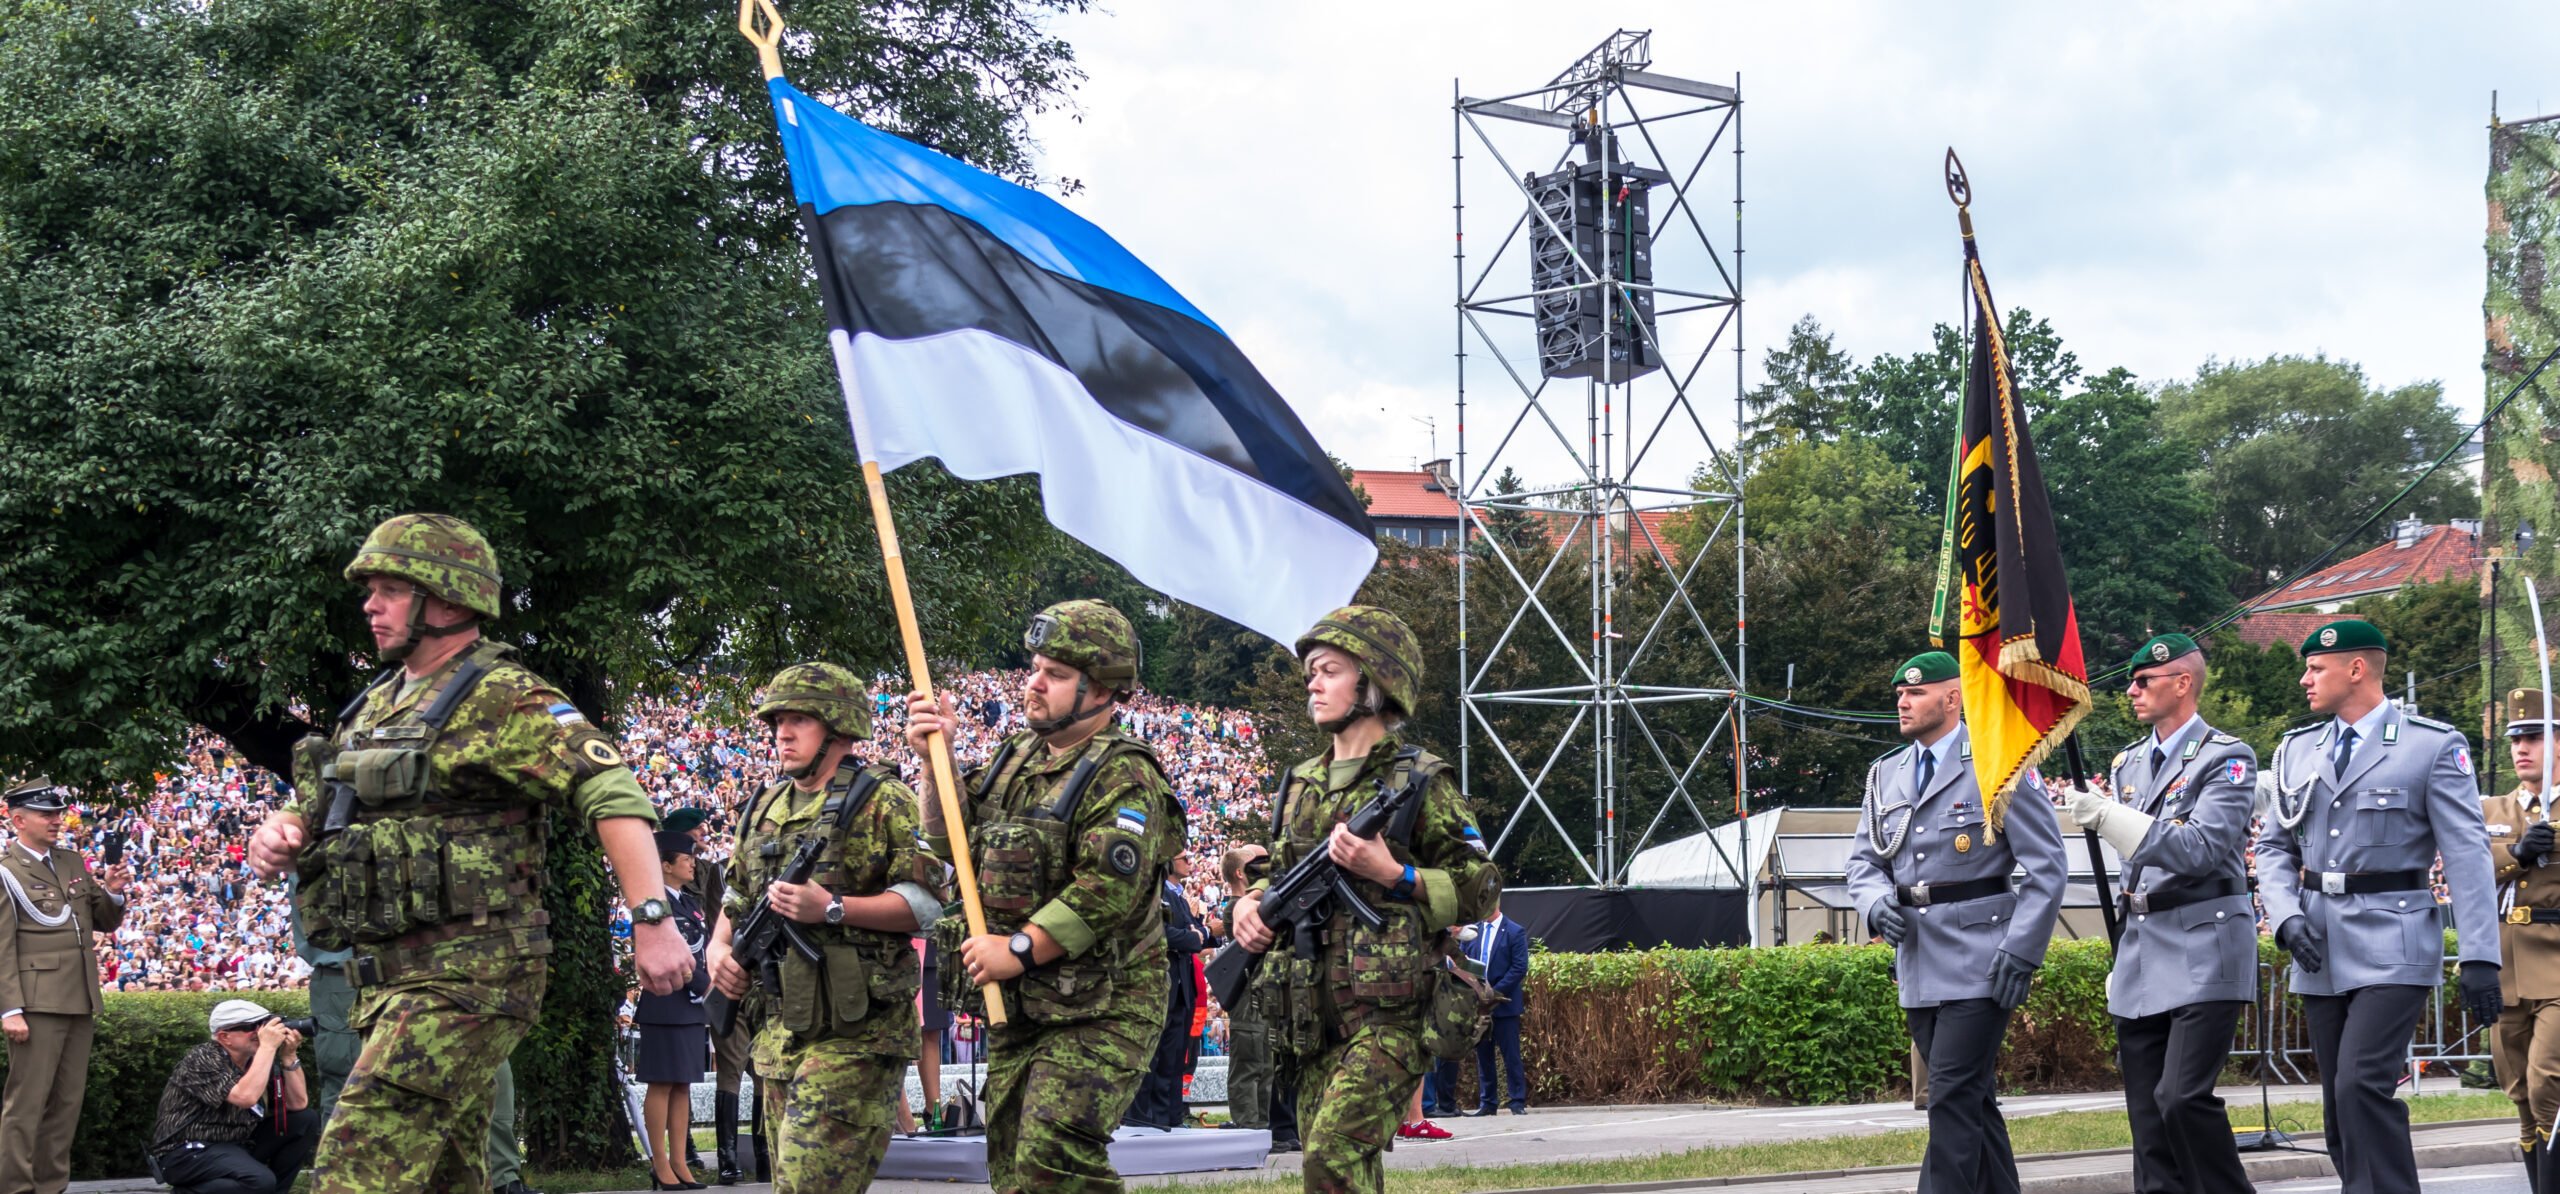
[2346, 750]
[1928, 766]
[2159, 759]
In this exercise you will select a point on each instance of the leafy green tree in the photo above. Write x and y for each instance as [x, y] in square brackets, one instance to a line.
[271, 270]
[2295, 451]
[1803, 489]
[1810, 389]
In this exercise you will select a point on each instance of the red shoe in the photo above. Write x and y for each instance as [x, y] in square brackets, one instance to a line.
[1423, 1129]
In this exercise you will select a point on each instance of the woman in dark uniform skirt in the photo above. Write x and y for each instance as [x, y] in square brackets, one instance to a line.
[674, 1037]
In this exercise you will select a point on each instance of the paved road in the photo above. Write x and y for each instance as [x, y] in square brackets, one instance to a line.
[2477, 1179]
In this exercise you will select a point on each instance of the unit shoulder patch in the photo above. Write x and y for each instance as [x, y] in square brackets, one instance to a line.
[1123, 857]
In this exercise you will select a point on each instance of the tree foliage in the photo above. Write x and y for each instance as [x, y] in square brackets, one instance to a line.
[272, 270]
[2295, 451]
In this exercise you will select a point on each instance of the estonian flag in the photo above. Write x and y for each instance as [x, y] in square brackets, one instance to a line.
[983, 324]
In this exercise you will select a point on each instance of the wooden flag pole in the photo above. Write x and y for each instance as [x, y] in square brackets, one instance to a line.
[946, 785]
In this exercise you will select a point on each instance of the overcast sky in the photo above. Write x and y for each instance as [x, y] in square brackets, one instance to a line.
[2168, 183]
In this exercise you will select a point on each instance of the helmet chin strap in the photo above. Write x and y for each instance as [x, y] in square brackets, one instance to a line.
[1365, 706]
[419, 631]
[1076, 712]
[817, 760]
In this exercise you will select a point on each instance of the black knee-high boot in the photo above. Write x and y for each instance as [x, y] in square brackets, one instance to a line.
[763, 1138]
[724, 1111]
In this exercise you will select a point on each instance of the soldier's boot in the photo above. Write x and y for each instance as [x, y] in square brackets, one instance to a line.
[763, 1140]
[2533, 1167]
[724, 1110]
[2546, 1167]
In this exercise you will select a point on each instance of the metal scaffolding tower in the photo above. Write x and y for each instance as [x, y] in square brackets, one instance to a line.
[1644, 453]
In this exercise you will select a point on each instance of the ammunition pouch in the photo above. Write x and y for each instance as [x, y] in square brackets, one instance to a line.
[825, 998]
[381, 880]
[381, 777]
[1460, 1011]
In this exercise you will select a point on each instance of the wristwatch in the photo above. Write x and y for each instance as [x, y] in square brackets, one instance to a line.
[1021, 947]
[650, 911]
[835, 910]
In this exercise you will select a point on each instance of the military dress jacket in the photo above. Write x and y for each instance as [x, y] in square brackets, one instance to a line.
[2531, 950]
[48, 909]
[1939, 838]
[2406, 796]
[2200, 798]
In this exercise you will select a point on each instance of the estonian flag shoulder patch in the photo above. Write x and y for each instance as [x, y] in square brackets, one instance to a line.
[1475, 840]
[1132, 821]
[567, 714]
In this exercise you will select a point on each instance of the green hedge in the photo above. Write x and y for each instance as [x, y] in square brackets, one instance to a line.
[140, 1038]
[1791, 1024]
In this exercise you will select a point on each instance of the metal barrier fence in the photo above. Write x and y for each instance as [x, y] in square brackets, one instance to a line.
[2273, 1036]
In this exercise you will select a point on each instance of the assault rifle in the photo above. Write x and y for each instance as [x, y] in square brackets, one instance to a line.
[755, 942]
[1302, 901]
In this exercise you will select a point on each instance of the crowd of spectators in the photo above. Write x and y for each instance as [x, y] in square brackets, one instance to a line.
[200, 921]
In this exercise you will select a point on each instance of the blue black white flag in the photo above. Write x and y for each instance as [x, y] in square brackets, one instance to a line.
[983, 324]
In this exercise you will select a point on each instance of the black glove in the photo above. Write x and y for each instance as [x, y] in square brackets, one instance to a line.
[1889, 922]
[2536, 843]
[2295, 936]
[2010, 976]
[2480, 992]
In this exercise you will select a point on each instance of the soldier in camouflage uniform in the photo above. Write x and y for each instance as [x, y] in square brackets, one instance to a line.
[831, 1059]
[1354, 1015]
[417, 831]
[1072, 827]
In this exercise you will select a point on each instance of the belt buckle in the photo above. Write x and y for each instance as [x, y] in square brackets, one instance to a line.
[2139, 902]
[2333, 883]
[2519, 916]
[1919, 895]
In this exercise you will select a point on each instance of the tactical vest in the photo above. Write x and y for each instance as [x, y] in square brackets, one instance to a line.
[1358, 972]
[401, 865]
[1026, 859]
[863, 972]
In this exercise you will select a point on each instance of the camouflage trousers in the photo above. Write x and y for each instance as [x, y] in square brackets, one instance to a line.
[1351, 1097]
[828, 1107]
[1054, 1095]
[414, 1114]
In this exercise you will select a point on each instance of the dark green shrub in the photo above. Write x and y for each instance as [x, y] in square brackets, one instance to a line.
[140, 1038]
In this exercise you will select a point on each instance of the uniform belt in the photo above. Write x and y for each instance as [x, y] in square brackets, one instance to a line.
[1922, 895]
[411, 952]
[2533, 916]
[2363, 882]
[2137, 903]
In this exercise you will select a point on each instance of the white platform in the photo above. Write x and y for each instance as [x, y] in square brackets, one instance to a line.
[1134, 1151]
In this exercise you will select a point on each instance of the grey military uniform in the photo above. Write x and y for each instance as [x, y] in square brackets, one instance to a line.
[1938, 839]
[2405, 797]
[2206, 946]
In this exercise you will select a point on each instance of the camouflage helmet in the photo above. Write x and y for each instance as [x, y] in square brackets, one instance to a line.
[832, 694]
[1090, 637]
[436, 552]
[1389, 655]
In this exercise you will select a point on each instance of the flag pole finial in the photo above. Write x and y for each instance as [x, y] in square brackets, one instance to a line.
[768, 39]
[1960, 190]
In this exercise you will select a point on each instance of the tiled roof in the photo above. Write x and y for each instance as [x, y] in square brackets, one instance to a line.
[2441, 552]
[1400, 494]
[2289, 627]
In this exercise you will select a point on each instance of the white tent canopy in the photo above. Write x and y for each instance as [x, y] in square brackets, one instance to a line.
[1708, 859]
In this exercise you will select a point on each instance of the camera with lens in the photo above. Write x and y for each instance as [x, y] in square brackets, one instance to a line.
[305, 1027]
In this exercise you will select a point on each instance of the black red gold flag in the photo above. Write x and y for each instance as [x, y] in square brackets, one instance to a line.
[2025, 681]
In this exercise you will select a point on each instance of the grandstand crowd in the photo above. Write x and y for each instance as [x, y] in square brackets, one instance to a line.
[199, 921]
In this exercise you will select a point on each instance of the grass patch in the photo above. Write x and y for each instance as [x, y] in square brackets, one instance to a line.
[2068, 1131]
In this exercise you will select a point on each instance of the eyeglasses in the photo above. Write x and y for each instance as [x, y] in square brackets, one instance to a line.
[2139, 682]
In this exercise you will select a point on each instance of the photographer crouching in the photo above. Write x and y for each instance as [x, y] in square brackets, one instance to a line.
[237, 1116]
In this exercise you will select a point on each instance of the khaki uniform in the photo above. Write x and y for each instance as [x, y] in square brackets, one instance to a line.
[2525, 1046]
[449, 964]
[832, 1055]
[48, 970]
[1063, 1070]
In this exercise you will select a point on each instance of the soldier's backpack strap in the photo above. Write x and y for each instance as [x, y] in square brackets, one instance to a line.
[378, 681]
[995, 770]
[1412, 773]
[1071, 795]
[840, 810]
[465, 678]
[757, 804]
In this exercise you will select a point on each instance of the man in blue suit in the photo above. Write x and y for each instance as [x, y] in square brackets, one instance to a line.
[1501, 950]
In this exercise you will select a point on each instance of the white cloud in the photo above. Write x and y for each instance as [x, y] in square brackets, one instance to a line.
[2167, 183]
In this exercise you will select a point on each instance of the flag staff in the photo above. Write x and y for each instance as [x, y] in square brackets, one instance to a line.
[1960, 192]
[768, 43]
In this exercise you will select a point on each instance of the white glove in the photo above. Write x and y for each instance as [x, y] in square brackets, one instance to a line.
[2087, 806]
[2123, 827]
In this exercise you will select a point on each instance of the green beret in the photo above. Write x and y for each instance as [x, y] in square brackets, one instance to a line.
[2161, 649]
[2353, 634]
[683, 820]
[1927, 667]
